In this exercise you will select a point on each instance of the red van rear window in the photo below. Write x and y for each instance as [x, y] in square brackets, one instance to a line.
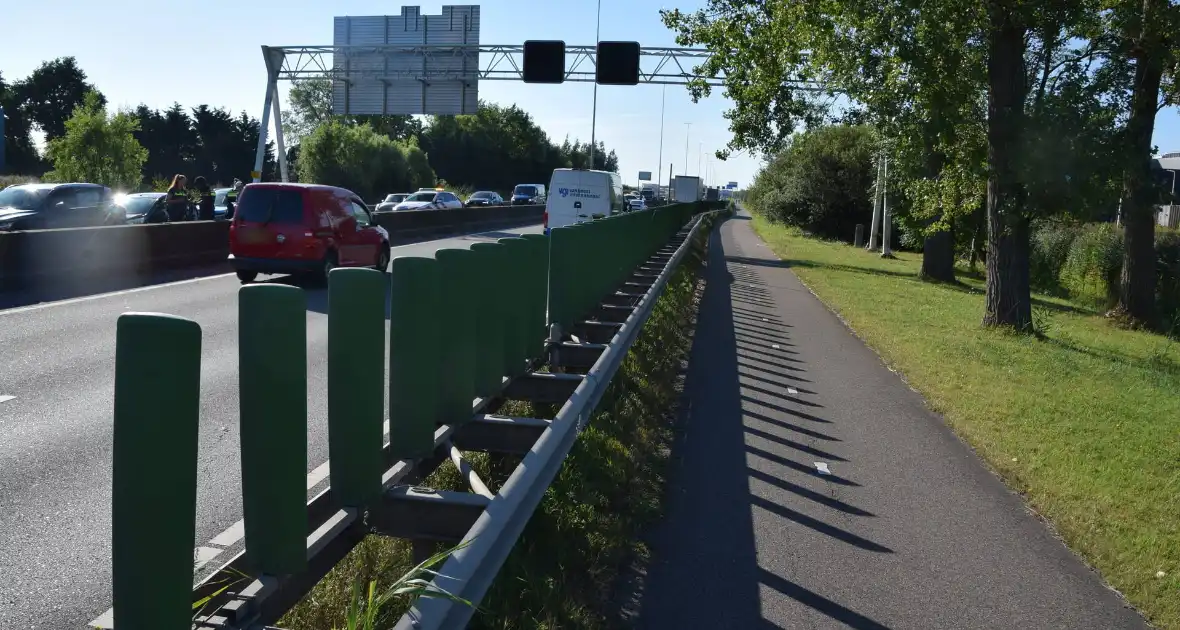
[271, 205]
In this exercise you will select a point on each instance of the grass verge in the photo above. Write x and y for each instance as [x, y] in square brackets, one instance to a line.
[562, 572]
[1083, 420]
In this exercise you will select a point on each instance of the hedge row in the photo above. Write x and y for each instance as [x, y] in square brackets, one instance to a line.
[1084, 262]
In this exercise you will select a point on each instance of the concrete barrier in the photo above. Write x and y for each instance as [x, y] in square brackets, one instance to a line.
[412, 225]
[42, 256]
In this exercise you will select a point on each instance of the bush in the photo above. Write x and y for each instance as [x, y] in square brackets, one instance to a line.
[820, 183]
[1092, 268]
[1167, 282]
[1051, 245]
[358, 158]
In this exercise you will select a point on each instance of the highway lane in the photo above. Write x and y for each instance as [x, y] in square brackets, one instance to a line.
[57, 366]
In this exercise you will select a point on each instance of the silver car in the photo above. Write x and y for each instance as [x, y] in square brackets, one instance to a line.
[390, 202]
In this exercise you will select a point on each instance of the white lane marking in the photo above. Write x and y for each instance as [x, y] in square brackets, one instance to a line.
[822, 468]
[231, 535]
[98, 296]
[105, 620]
[774, 345]
[316, 476]
[765, 320]
[792, 390]
[4, 399]
[202, 556]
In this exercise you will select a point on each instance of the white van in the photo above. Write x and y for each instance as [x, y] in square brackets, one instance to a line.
[579, 195]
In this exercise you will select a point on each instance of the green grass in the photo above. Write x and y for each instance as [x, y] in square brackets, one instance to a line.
[1083, 420]
[563, 571]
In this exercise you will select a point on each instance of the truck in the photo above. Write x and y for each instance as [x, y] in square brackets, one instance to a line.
[686, 188]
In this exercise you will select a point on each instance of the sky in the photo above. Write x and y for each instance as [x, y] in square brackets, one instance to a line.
[208, 52]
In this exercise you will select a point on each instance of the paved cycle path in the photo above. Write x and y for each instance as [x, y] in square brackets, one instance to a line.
[811, 488]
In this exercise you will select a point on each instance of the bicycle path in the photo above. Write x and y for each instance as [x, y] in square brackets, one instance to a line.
[811, 488]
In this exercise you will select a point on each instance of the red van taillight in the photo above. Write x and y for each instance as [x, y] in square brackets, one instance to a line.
[545, 218]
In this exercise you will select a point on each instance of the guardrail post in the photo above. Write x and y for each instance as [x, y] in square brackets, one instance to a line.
[516, 302]
[356, 383]
[154, 470]
[490, 324]
[457, 368]
[537, 296]
[413, 355]
[272, 377]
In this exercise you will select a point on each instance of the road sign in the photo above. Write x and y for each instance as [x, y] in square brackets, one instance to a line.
[379, 61]
[544, 61]
[617, 63]
[645, 176]
[731, 185]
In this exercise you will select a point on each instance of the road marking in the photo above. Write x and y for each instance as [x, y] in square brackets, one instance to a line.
[202, 556]
[98, 296]
[792, 390]
[316, 476]
[231, 535]
[105, 620]
[774, 345]
[4, 399]
[822, 468]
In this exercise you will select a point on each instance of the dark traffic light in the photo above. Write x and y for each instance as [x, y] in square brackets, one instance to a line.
[617, 63]
[544, 61]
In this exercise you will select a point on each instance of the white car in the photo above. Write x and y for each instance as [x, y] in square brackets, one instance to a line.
[430, 200]
[636, 203]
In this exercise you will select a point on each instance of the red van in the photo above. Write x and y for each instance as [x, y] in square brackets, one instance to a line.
[303, 229]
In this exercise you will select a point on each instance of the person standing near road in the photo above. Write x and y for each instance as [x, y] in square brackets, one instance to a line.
[231, 199]
[205, 206]
[177, 198]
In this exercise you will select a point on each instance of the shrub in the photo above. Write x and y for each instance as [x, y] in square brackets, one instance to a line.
[820, 183]
[1092, 268]
[1050, 248]
[1167, 282]
[358, 158]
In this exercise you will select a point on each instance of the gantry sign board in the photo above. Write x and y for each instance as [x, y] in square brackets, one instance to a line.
[399, 64]
[645, 176]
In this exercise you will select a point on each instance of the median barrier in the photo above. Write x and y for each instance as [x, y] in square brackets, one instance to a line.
[541, 319]
[42, 256]
[38, 256]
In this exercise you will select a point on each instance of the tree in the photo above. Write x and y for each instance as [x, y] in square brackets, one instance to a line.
[921, 70]
[309, 104]
[52, 91]
[357, 158]
[820, 182]
[97, 148]
[1145, 34]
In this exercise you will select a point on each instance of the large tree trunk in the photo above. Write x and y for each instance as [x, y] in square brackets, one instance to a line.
[938, 249]
[938, 257]
[1009, 302]
[1137, 283]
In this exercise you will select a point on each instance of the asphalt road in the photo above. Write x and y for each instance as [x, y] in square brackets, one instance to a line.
[811, 488]
[56, 396]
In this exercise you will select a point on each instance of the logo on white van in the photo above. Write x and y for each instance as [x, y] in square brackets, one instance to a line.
[579, 193]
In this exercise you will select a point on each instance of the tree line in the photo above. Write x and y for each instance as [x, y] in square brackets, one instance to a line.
[998, 117]
[495, 148]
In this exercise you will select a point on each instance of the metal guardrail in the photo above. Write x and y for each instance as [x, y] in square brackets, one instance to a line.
[449, 373]
[469, 572]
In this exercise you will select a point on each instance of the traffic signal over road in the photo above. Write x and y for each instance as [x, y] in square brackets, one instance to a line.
[617, 63]
[544, 61]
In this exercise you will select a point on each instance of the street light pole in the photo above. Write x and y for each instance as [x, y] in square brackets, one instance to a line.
[660, 163]
[687, 129]
[594, 110]
[700, 152]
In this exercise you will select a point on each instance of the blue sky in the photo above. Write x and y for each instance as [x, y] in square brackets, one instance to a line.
[208, 52]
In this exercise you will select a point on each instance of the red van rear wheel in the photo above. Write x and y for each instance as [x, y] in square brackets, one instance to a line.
[383, 259]
[329, 264]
